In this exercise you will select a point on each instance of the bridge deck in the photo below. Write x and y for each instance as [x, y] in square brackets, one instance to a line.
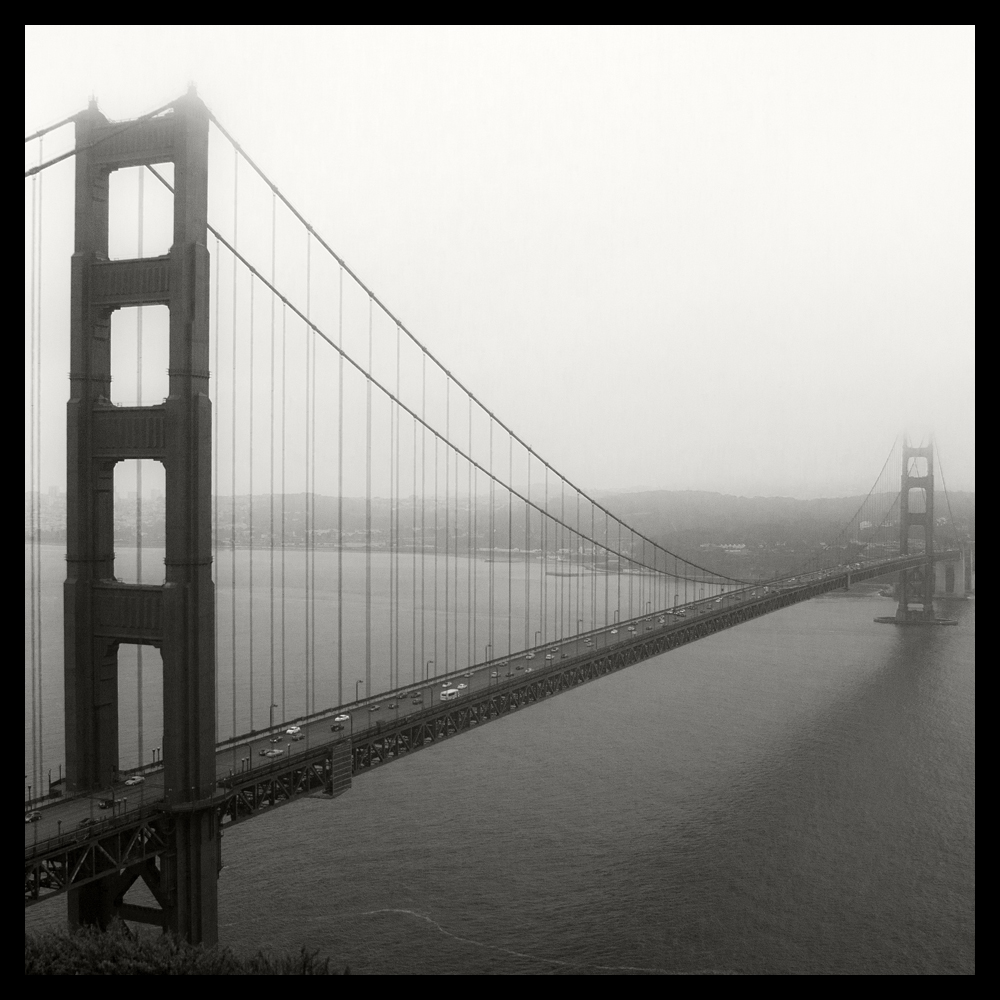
[328, 748]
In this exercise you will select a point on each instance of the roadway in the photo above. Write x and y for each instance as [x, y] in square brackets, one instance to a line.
[256, 749]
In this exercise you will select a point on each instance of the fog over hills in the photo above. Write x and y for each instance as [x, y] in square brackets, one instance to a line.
[742, 536]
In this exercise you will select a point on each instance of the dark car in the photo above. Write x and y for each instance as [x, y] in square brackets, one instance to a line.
[337, 728]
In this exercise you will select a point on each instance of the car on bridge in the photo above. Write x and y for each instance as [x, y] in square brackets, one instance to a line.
[83, 826]
[292, 730]
[136, 779]
[32, 817]
[341, 718]
[337, 727]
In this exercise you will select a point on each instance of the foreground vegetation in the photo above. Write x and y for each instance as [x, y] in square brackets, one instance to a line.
[119, 952]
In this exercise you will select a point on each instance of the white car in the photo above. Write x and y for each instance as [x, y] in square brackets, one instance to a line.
[462, 687]
[136, 779]
[341, 718]
[292, 730]
[529, 656]
[550, 656]
[614, 631]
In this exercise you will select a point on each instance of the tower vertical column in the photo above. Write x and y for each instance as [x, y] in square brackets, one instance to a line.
[917, 586]
[189, 598]
[100, 612]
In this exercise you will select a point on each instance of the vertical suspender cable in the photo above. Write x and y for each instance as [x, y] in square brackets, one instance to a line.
[250, 511]
[270, 489]
[138, 482]
[340, 489]
[392, 539]
[34, 505]
[447, 519]
[312, 498]
[37, 489]
[232, 453]
[631, 570]
[579, 562]
[423, 499]
[413, 537]
[455, 550]
[395, 553]
[368, 512]
[510, 538]
[471, 555]
[435, 617]
[475, 546]
[215, 476]
[527, 558]
[607, 569]
[284, 513]
[493, 536]
[309, 428]
[618, 613]
[545, 563]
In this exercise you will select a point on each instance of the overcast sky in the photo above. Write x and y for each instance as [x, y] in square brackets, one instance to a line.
[725, 259]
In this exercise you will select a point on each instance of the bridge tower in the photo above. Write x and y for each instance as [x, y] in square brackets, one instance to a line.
[916, 586]
[100, 612]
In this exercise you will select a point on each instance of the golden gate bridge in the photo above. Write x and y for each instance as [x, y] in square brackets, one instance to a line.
[295, 638]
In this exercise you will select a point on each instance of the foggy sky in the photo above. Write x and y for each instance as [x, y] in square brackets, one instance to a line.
[720, 259]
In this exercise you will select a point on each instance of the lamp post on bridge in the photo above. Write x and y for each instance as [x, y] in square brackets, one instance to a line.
[357, 684]
[270, 719]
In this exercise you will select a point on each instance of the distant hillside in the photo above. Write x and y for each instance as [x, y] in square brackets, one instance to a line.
[775, 533]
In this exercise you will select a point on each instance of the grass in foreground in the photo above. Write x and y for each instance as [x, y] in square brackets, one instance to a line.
[119, 952]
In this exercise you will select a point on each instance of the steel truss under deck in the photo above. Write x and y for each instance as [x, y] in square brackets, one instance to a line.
[127, 848]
